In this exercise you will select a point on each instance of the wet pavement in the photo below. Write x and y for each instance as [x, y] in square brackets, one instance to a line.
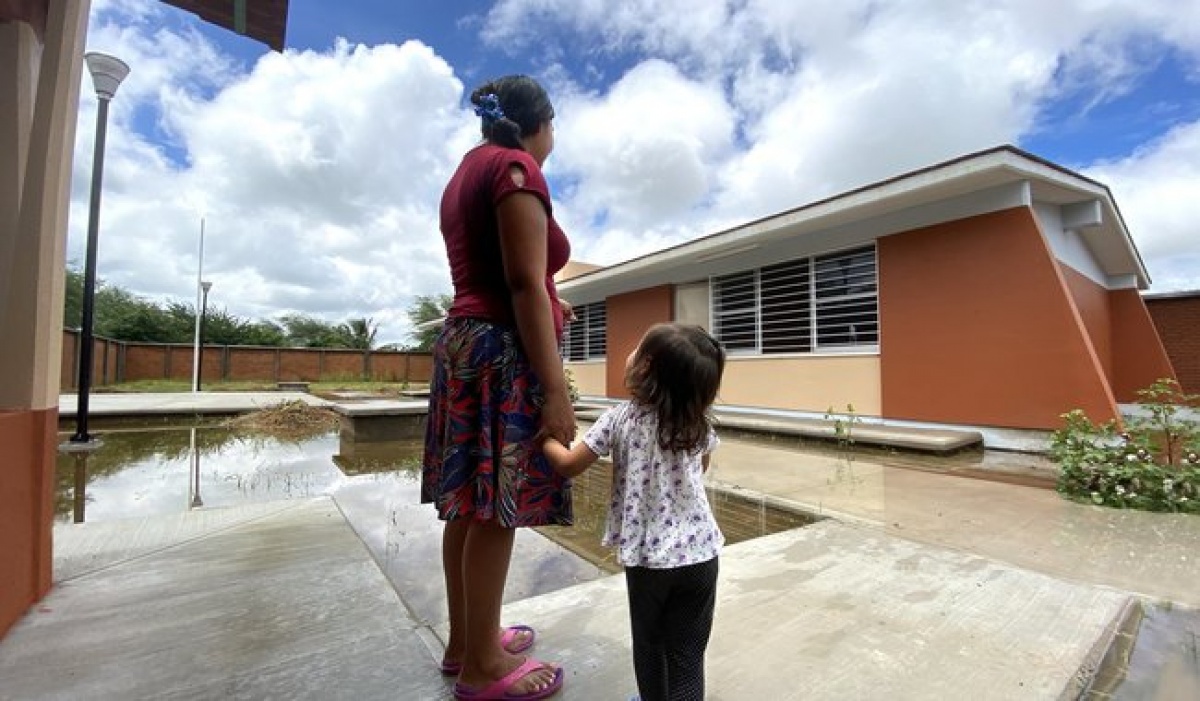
[917, 585]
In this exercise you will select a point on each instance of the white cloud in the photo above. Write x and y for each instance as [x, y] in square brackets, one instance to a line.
[319, 172]
[1156, 188]
[825, 97]
[317, 175]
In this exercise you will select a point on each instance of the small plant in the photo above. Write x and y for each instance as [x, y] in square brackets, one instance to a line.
[843, 426]
[572, 388]
[1153, 464]
[843, 433]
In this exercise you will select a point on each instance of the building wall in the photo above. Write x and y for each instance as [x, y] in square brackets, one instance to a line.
[810, 383]
[1139, 358]
[692, 304]
[629, 315]
[978, 326]
[118, 361]
[1177, 319]
[1092, 301]
[1122, 333]
[591, 377]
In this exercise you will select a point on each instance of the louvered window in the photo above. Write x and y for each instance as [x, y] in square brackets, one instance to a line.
[735, 299]
[586, 337]
[847, 301]
[807, 304]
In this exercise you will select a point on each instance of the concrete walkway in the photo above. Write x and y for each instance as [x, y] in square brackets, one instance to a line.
[917, 586]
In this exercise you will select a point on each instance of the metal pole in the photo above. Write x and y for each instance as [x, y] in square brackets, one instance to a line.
[204, 286]
[199, 287]
[89, 281]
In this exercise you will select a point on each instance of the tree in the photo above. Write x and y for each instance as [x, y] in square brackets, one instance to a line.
[303, 331]
[73, 300]
[359, 333]
[122, 315]
[263, 333]
[422, 313]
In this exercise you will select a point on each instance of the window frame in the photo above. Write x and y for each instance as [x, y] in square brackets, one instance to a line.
[586, 338]
[812, 298]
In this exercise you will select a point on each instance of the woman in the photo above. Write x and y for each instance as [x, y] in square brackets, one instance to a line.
[498, 386]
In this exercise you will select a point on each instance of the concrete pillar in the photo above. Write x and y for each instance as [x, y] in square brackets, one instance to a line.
[39, 100]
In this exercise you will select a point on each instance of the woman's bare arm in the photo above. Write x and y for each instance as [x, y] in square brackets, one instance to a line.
[523, 247]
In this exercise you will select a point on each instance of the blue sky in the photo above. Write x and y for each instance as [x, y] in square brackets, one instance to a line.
[317, 171]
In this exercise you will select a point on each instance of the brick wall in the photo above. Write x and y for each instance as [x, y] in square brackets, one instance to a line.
[118, 361]
[1177, 317]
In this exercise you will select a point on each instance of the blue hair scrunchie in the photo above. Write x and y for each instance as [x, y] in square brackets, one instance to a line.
[489, 108]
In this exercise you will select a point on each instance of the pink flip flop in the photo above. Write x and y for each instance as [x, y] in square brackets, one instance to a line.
[499, 689]
[507, 638]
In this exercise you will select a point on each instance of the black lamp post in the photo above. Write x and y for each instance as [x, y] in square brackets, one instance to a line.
[205, 286]
[107, 74]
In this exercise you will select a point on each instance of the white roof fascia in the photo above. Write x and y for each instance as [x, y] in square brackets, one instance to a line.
[938, 183]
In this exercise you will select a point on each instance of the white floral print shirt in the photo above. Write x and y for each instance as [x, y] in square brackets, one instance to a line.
[658, 513]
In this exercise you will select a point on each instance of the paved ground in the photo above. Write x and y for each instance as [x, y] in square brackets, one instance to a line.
[920, 586]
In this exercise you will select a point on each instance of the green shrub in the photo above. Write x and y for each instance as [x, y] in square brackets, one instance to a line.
[1154, 464]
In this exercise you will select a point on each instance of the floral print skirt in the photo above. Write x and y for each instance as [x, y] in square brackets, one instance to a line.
[481, 458]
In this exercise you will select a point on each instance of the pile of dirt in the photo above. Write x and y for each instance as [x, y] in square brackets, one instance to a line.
[288, 420]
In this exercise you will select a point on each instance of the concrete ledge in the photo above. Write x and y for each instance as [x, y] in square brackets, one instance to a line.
[138, 404]
[927, 440]
[908, 438]
[381, 421]
[380, 408]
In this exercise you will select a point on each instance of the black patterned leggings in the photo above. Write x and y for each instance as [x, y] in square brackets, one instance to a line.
[671, 615]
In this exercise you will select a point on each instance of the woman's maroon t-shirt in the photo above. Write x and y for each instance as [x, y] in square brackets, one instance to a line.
[472, 233]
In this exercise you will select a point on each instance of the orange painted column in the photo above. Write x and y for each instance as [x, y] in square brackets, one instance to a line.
[978, 327]
[26, 509]
[40, 76]
[1092, 302]
[1139, 357]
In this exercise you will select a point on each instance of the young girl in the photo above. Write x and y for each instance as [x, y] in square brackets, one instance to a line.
[659, 519]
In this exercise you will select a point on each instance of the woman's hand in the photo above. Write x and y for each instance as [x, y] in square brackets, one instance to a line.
[558, 418]
[568, 311]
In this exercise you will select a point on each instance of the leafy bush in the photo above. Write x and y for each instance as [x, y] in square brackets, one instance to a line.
[1154, 464]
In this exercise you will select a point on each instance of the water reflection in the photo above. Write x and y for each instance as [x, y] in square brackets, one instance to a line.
[195, 501]
[739, 517]
[162, 470]
[1162, 662]
[79, 474]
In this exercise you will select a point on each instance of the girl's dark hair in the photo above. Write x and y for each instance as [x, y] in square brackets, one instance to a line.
[525, 105]
[677, 371]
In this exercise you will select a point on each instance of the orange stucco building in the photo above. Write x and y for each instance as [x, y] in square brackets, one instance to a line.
[996, 289]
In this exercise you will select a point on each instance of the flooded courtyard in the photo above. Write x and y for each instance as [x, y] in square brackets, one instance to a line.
[144, 471]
